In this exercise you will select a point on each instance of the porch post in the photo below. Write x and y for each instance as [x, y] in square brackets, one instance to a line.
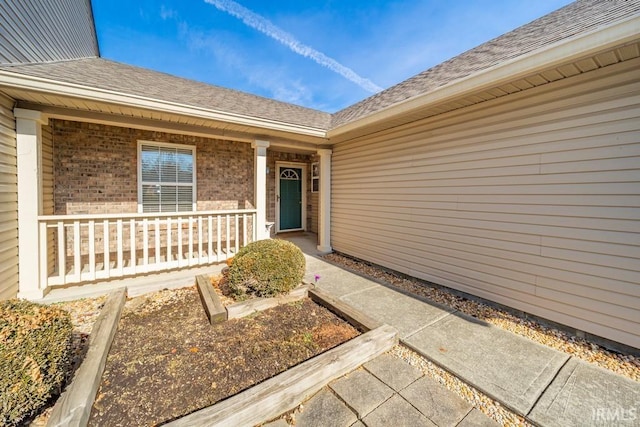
[260, 187]
[29, 161]
[324, 199]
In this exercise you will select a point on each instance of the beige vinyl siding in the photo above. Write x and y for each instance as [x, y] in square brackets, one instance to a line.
[532, 201]
[8, 201]
[46, 30]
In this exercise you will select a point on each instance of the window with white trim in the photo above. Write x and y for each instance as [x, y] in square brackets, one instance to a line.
[166, 177]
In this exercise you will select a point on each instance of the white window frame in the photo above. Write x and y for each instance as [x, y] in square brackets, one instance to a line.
[192, 148]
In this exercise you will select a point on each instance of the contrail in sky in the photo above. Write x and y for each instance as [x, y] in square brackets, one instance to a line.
[265, 26]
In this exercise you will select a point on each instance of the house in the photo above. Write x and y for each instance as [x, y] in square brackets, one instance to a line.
[510, 172]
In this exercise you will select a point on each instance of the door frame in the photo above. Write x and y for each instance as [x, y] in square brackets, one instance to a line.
[276, 201]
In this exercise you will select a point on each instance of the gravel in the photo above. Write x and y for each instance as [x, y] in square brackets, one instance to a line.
[624, 364]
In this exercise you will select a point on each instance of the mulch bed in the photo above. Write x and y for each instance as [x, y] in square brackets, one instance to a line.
[167, 361]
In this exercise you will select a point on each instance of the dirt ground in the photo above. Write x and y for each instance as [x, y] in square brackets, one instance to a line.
[166, 361]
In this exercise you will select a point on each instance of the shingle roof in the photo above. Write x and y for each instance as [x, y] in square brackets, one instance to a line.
[573, 19]
[578, 17]
[105, 74]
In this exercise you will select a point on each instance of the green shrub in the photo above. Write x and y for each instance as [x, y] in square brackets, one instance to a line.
[266, 268]
[34, 357]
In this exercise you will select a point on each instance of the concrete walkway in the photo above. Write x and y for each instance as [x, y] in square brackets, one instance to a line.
[397, 394]
[387, 391]
[550, 388]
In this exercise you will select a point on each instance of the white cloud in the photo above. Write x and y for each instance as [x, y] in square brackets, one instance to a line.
[266, 77]
[166, 13]
[265, 26]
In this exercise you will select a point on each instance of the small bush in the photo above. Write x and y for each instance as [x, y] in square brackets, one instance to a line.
[266, 268]
[34, 357]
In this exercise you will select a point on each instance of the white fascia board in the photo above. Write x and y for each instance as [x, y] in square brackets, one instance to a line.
[22, 81]
[554, 55]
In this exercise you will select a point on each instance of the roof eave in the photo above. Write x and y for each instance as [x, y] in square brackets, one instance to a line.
[556, 54]
[54, 87]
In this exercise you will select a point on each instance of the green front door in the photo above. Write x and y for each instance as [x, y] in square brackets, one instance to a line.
[290, 198]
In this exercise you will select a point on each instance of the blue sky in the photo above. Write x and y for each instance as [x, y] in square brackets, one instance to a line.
[324, 54]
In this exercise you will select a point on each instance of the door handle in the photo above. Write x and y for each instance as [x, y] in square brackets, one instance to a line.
[277, 198]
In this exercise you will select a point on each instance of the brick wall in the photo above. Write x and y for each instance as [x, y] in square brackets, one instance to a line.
[95, 168]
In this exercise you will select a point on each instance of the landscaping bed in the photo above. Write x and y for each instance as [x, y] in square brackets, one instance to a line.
[167, 360]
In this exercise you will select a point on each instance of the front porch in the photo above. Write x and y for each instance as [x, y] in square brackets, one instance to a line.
[96, 207]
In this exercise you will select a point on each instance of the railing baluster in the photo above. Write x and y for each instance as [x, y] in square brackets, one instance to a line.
[237, 232]
[199, 239]
[169, 243]
[157, 248]
[119, 244]
[228, 236]
[132, 244]
[106, 248]
[179, 241]
[92, 250]
[62, 252]
[190, 252]
[76, 250]
[145, 243]
[218, 242]
[210, 237]
[244, 229]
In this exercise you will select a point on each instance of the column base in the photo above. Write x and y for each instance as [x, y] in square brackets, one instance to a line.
[324, 249]
[32, 295]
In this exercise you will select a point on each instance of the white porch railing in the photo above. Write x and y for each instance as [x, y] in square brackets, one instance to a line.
[81, 248]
